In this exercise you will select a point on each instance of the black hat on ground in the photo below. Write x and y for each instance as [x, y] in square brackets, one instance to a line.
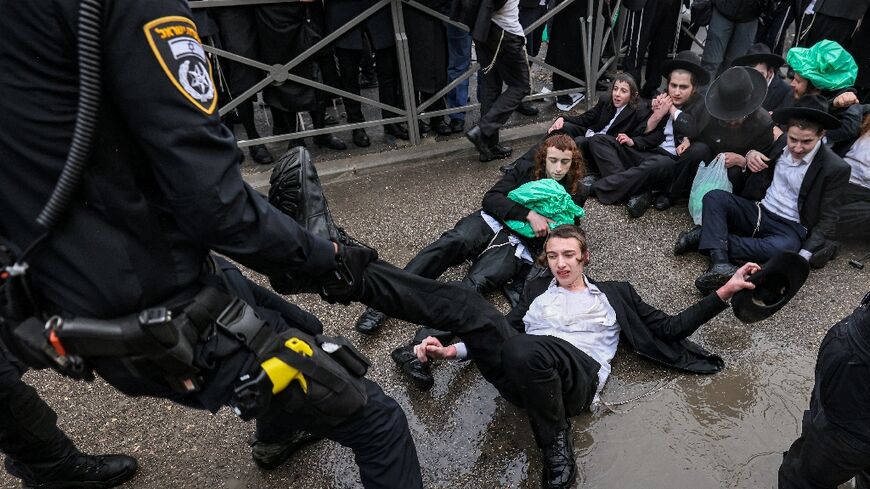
[736, 93]
[775, 284]
[759, 53]
[687, 60]
[811, 107]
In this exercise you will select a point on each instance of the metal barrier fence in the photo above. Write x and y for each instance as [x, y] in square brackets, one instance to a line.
[596, 30]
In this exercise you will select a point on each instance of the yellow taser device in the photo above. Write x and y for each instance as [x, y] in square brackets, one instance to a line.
[282, 374]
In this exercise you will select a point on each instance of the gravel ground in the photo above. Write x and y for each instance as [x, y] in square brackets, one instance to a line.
[726, 430]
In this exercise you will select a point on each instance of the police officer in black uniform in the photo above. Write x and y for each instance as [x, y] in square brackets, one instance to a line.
[161, 189]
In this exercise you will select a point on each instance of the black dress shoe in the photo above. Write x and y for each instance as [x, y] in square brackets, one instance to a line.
[370, 321]
[269, 456]
[526, 108]
[825, 254]
[500, 152]
[663, 202]
[360, 138]
[441, 128]
[714, 277]
[331, 141]
[261, 155]
[419, 372]
[639, 204]
[457, 125]
[398, 131]
[560, 469]
[91, 471]
[476, 137]
[688, 241]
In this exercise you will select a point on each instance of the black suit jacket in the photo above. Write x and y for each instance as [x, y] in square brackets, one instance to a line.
[844, 9]
[650, 332]
[597, 117]
[819, 195]
[693, 115]
[779, 95]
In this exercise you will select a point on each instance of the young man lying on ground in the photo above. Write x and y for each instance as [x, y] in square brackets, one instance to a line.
[565, 332]
[497, 253]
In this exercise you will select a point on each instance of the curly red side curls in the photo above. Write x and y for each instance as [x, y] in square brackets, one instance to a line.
[562, 142]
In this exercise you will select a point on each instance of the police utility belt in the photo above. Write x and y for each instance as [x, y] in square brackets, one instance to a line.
[320, 374]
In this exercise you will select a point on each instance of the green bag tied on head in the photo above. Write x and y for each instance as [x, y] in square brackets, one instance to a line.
[826, 64]
[548, 198]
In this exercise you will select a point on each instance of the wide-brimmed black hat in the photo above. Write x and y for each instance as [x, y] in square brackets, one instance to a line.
[736, 93]
[812, 107]
[759, 53]
[689, 61]
[775, 284]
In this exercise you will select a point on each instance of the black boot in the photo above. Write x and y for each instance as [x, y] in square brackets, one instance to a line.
[526, 108]
[560, 469]
[476, 137]
[720, 271]
[639, 204]
[688, 241]
[370, 321]
[270, 456]
[418, 371]
[663, 201]
[825, 254]
[261, 155]
[90, 471]
[398, 131]
[360, 138]
[331, 141]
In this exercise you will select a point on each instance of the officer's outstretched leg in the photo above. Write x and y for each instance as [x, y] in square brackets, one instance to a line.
[39, 453]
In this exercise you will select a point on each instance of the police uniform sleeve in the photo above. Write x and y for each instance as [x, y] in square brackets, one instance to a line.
[156, 73]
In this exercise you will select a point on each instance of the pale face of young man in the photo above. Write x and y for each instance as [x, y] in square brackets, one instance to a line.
[801, 141]
[558, 163]
[620, 94]
[566, 262]
[680, 87]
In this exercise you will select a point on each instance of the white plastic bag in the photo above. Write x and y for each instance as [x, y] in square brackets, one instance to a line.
[710, 176]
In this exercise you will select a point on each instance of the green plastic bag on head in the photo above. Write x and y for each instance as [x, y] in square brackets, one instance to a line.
[826, 64]
[548, 198]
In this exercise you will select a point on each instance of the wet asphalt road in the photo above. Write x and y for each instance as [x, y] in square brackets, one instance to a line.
[685, 431]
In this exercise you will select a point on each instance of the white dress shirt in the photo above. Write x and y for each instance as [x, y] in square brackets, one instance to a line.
[508, 18]
[788, 175]
[858, 158]
[590, 132]
[670, 143]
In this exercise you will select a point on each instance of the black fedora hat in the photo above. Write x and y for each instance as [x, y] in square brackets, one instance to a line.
[759, 53]
[736, 93]
[812, 107]
[775, 284]
[689, 61]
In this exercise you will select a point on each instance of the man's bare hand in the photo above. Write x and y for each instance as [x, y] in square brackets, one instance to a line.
[845, 99]
[557, 124]
[756, 161]
[622, 138]
[683, 146]
[431, 348]
[734, 159]
[540, 224]
[738, 281]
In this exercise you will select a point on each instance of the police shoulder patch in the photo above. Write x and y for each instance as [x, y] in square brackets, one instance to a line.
[178, 49]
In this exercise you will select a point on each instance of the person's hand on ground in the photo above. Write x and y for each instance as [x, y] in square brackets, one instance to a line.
[738, 281]
[557, 124]
[431, 348]
[540, 224]
[623, 138]
[734, 159]
[756, 161]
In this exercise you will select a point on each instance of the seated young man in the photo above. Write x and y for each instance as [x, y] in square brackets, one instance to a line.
[790, 201]
[565, 332]
[633, 165]
[759, 58]
[498, 254]
[855, 204]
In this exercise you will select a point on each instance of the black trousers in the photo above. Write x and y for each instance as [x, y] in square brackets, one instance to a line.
[349, 61]
[834, 444]
[545, 375]
[511, 69]
[528, 16]
[377, 433]
[732, 223]
[237, 30]
[652, 34]
[855, 213]
[29, 436]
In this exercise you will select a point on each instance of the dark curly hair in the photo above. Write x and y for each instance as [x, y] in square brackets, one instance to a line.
[562, 142]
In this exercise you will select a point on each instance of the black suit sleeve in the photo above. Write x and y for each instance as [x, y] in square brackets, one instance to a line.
[496, 201]
[194, 157]
[644, 141]
[690, 122]
[829, 205]
[588, 118]
[679, 326]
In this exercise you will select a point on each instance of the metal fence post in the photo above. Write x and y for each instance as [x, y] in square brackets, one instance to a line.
[404, 56]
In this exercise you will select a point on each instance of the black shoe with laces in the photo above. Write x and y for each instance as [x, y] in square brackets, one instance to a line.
[560, 469]
[526, 108]
[360, 138]
[416, 370]
[688, 241]
[269, 456]
[716, 276]
[639, 204]
[825, 254]
[87, 471]
[370, 321]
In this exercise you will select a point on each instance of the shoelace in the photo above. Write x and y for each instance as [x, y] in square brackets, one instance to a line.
[89, 464]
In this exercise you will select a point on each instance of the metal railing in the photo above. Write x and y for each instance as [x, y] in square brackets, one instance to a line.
[596, 31]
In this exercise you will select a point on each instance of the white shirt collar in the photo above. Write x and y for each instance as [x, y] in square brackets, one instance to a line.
[589, 286]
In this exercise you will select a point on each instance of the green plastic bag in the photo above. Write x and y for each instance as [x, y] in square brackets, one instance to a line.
[548, 198]
[826, 64]
[713, 176]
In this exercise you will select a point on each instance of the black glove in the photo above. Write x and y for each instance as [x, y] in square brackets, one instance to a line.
[345, 284]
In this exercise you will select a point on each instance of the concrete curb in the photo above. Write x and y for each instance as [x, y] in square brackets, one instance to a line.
[349, 168]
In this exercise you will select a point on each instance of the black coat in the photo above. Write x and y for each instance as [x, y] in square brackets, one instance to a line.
[476, 14]
[427, 43]
[650, 332]
[819, 196]
[597, 117]
[565, 49]
[741, 10]
[779, 95]
[844, 9]
[756, 133]
[379, 26]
